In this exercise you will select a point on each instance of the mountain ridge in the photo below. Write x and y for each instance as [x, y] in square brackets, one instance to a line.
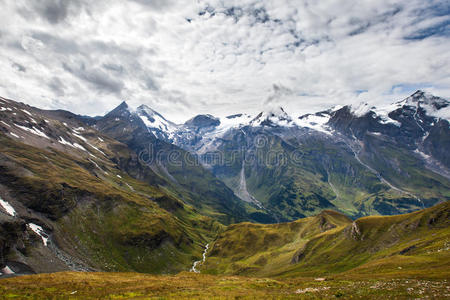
[305, 179]
[363, 108]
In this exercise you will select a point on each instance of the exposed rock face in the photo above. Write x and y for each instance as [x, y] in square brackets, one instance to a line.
[421, 121]
[355, 231]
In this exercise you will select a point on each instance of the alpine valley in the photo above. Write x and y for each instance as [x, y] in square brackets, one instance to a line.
[353, 193]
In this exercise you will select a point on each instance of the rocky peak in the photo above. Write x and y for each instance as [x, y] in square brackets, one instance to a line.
[427, 101]
[273, 117]
[122, 110]
[201, 121]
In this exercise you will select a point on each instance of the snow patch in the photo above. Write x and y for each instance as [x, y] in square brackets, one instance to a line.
[361, 109]
[95, 148]
[153, 119]
[434, 106]
[423, 155]
[39, 231]
[98, 167]
[317, 122]
[7, 207]
[4, 123]
[382, 112]
[7, 271]
[33, 130]
[226, 124]
[236, 121]
[61, 140]
[79, 147]
[276, 116]
[27, 112]
[130, 187]
[14, 135]
[80, 137]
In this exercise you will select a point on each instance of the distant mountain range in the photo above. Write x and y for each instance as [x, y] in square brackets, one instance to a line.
[360, 160]
[133, 191]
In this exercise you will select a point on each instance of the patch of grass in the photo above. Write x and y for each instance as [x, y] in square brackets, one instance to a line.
[71, 285]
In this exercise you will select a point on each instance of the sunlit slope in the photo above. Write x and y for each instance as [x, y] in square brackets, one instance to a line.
[330, 243]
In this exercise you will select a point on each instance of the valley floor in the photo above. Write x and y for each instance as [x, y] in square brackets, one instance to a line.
[74, 285]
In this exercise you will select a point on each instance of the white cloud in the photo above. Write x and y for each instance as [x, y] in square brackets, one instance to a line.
[221, 57]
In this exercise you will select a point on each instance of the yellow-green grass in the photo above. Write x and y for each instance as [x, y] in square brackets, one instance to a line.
[71, 285]
[330, 244]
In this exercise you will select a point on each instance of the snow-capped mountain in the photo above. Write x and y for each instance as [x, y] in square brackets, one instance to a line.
[419, 124]
[366, 146]
[416, 127]
[272, 118]
[317, 121]
[200, 131]
[156, 123]
[411, 120]
[408, 119]
[420, 101]
[433, 106]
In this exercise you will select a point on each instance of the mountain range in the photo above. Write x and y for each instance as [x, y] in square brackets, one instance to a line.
[358, 160]
[133, 191]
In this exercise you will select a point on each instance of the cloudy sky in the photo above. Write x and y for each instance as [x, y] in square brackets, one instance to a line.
[185, 57]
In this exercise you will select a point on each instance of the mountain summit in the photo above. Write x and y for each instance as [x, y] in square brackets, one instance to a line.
[273, 117]
[156, 123]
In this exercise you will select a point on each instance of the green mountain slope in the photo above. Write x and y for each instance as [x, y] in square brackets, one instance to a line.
[295, 174]
[330, 243]
[95, 216]
[183, 173]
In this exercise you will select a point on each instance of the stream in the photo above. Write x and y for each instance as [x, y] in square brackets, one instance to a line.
[194, 266]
